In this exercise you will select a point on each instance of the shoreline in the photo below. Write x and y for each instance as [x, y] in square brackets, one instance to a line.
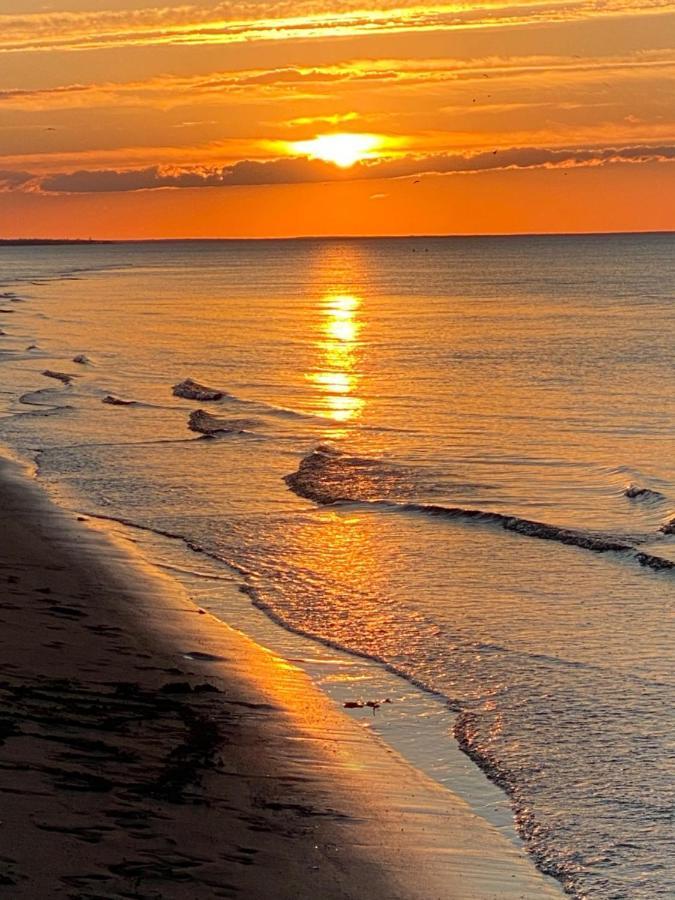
[418, 724]
[252, 781]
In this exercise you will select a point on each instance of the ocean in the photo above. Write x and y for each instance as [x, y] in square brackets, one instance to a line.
[452, 456]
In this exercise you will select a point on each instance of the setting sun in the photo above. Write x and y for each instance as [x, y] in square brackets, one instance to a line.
[343, 149]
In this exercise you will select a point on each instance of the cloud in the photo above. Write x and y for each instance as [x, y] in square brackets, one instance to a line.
[307, 171]
[239, 21]
[430, 78]
[335, 119]
[246, 172]
[197, 124]
[11, 180]
[523, 158]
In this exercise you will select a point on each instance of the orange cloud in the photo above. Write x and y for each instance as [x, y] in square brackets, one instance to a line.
[233, 23]
[168, 91]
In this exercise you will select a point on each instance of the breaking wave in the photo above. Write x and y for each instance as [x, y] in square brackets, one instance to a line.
[328, 477]
[206, 423]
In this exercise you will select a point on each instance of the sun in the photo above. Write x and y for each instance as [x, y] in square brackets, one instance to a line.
[343, 148]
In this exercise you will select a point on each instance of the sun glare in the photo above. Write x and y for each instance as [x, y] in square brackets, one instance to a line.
[343, 149]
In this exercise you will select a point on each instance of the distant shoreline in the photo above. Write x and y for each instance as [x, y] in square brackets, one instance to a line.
[39, 242]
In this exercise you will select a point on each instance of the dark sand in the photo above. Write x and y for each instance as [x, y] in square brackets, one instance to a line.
[128, 770]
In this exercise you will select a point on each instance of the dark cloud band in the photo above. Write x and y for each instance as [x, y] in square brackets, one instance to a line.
[308, 171]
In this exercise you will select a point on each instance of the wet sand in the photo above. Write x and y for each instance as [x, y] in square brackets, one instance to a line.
[147, 750]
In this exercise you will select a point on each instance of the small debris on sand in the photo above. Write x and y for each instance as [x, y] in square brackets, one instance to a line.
[365, 704]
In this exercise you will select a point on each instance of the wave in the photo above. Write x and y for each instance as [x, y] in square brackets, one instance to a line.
[190, 389]
[72, 274]
[206, 423]
[466, 732]
[636, 492]
[193, 390]
[44, 401]
[42, 397]
[586, 540]
[328, 477]
[269, 409]
[63, 377]
[113, 400]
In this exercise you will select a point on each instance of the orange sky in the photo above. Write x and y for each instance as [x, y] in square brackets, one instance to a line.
[129, 118]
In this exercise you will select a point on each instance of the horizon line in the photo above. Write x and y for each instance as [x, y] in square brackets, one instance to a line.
[14, 241]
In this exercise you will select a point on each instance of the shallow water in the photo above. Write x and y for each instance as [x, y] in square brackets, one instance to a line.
[404, 385]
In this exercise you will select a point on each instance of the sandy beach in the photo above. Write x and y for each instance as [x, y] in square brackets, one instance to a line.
[150, 751]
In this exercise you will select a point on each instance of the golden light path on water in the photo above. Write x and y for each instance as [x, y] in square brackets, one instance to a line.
[338, 378]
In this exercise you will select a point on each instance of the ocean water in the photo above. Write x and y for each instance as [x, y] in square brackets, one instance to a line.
[453, 456]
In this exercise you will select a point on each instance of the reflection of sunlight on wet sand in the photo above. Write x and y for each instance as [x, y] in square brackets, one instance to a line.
[339, 378]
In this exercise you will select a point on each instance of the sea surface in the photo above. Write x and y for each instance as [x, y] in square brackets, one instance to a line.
[455, 456]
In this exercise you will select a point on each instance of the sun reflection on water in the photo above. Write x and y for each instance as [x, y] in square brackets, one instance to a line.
[339, 377]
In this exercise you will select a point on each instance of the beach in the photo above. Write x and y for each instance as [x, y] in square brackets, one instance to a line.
[151, 751]
[318, 476]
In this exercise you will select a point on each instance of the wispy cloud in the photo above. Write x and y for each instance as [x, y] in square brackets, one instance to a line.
[168, 91]
[335, 119]
[239, 22]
